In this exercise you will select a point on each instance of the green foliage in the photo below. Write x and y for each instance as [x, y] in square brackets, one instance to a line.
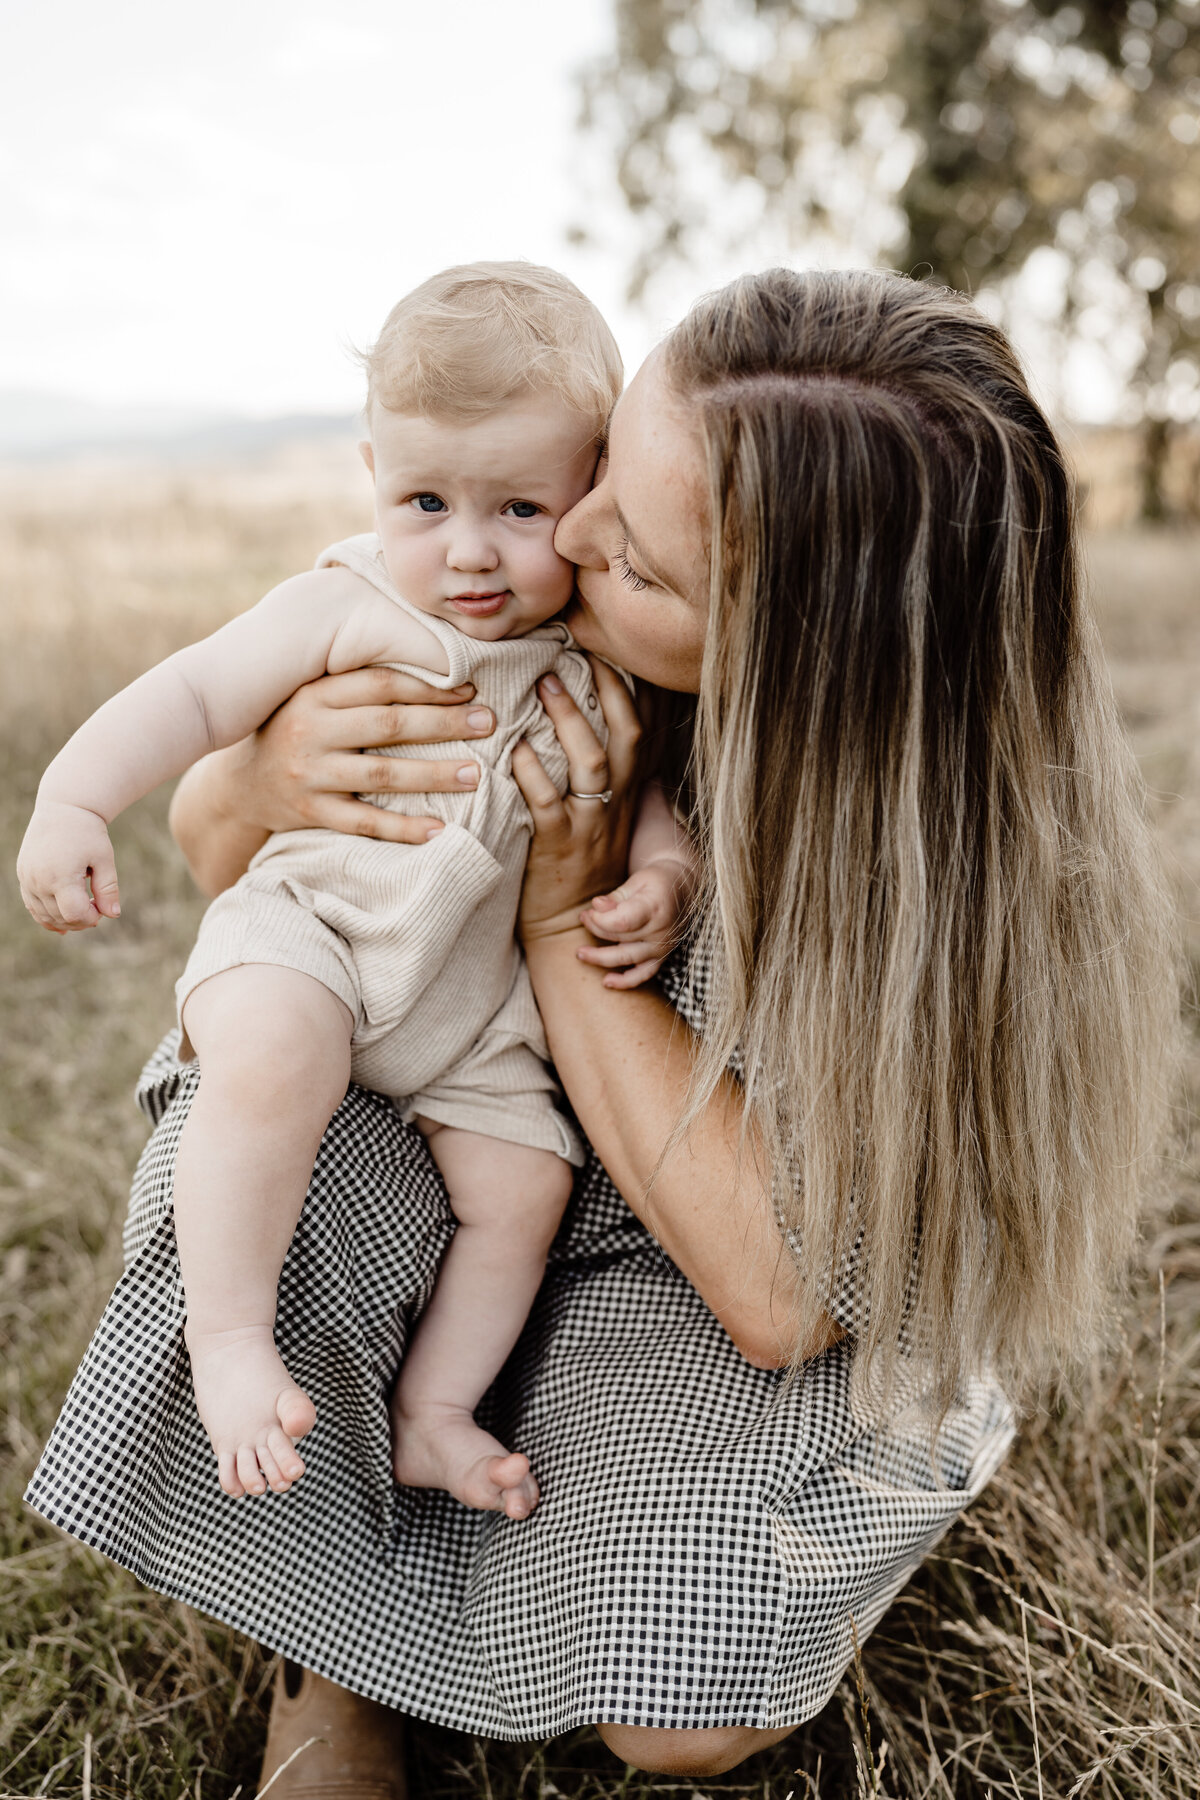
[955, 140]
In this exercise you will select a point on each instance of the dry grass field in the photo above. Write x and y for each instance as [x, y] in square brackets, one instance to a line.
[1050, 1648]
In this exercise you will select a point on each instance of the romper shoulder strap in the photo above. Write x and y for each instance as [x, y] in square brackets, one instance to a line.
[363, 555]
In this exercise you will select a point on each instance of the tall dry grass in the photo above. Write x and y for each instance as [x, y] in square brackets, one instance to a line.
[1050, 1648]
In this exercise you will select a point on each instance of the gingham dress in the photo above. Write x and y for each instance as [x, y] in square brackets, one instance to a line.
[707, 1544]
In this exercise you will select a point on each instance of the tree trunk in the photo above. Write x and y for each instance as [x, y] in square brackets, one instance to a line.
[1156, 440]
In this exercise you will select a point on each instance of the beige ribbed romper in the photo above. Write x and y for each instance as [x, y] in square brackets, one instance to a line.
[418, 939]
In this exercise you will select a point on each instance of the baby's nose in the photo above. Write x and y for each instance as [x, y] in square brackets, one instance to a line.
[472, 549]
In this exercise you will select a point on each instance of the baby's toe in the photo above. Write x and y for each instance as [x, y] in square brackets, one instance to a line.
[296, 1412]
[518, 1489]
[249, 1473]
[228, 1476]
[508, 1471]
[519, 1501]
[288, 1461]
[272, 1474]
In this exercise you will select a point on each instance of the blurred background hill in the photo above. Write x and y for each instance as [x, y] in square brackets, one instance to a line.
[40, 427]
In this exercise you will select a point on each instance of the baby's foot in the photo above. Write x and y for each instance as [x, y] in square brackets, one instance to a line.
[439, 1446]
[250, 1407]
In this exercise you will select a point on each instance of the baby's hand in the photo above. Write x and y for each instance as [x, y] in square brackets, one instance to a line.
[64, 847]
[640, 922]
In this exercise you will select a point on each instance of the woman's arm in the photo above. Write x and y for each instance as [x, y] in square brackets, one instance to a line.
[311, 759]
[217, 841]
[625, 1058]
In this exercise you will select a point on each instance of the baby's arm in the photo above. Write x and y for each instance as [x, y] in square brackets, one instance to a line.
[204, 697]
[640, 921]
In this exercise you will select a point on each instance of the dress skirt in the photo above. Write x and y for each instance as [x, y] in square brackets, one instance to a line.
[709, 1541]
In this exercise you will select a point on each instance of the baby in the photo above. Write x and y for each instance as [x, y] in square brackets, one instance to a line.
[338, 957]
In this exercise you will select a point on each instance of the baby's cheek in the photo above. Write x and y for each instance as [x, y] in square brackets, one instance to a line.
[555, 578]
[414, 566]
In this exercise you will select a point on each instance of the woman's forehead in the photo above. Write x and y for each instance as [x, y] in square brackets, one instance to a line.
[656, 467]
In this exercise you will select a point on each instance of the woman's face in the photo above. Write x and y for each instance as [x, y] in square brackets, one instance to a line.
[640, 539]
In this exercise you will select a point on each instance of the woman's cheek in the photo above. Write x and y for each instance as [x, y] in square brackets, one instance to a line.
[665, 643]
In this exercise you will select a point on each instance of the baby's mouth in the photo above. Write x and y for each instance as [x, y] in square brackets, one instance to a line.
[480, 606]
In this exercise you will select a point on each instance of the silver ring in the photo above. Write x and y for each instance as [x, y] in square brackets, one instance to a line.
[603, 798]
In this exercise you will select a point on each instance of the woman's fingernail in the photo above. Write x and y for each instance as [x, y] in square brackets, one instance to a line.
[434, 831]
[468, 775]
[552, 684]
[480, 719]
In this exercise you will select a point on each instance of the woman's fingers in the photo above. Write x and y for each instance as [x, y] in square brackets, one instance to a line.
[581, 839]
[358, 818]
[541, 796]
[373, 727]
[368, 774]
[365, 709]
[587, 760]
[378, 686]
[621, 717]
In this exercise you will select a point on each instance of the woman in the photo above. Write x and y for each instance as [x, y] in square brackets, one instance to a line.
[932, 945]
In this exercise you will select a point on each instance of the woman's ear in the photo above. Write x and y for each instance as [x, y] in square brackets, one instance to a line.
[367, 451]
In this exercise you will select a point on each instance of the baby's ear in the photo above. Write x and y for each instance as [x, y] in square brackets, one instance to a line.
[367, 451]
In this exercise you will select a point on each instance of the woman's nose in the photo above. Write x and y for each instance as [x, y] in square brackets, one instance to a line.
[579, 535]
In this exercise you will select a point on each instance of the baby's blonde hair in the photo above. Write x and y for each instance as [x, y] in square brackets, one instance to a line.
[479, 334]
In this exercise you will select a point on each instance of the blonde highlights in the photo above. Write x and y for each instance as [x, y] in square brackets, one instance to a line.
[943, 946]
[477, 335]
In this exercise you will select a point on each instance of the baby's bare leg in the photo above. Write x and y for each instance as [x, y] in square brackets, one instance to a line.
[274, 1053]
[508, 1200]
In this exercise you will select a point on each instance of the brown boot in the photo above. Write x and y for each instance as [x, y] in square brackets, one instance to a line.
[325, 1743]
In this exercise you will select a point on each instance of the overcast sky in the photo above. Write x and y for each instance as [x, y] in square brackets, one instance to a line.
[205, 204]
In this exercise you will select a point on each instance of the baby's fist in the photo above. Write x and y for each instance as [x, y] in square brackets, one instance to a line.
[640, 922]
[64, 849]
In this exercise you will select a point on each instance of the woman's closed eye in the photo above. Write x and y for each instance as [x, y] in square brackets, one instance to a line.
[625, 568]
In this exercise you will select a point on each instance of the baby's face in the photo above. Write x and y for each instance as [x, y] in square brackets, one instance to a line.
[466, 511]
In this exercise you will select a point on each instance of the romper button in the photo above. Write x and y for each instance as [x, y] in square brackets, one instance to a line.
[591, 700]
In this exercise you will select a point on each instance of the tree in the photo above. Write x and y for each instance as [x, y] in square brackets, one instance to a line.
[961, 138]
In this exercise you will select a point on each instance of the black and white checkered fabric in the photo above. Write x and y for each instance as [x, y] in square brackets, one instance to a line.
[707, 1544]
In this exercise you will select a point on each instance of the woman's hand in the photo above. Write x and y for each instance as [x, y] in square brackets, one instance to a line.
[308, 762]
[311, 759]
[580, 847]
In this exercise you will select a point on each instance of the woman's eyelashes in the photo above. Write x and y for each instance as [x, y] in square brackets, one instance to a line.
[625, 569]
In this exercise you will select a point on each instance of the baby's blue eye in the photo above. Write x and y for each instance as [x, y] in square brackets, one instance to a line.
[429, 503]
[524, 509]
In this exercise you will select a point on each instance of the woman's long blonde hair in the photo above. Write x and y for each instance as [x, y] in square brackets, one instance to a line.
[942, 940]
